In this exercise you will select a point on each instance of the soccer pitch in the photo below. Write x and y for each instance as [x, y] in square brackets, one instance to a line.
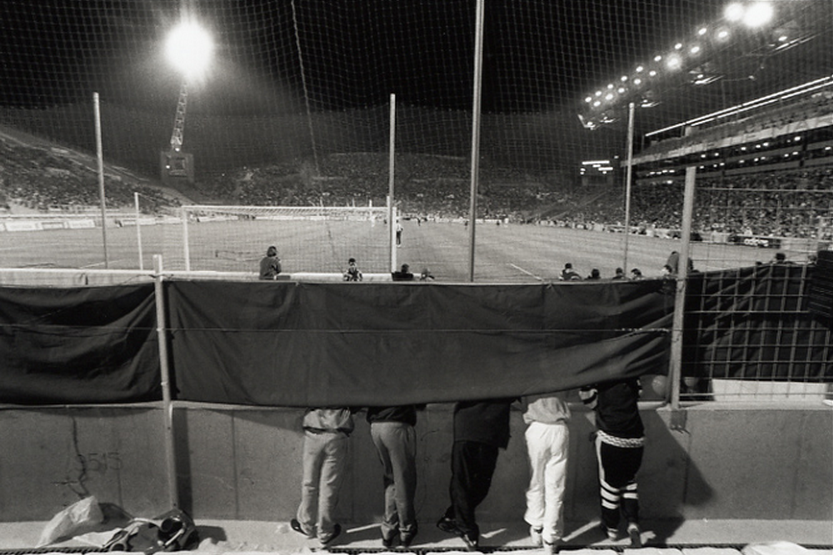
[507, 253]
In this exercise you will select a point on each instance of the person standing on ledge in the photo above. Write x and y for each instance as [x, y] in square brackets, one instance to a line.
[325, 457]
[481, 429]
[393, 434]
[620, 443]
[547, 441]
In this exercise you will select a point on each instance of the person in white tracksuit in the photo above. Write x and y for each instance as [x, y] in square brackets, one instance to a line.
[547, 440]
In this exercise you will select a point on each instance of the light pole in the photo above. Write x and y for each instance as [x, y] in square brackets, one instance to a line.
[189, 48]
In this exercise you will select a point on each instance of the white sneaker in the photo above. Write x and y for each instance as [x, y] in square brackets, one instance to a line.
[553, 547]
[535, 534]
[612, 534]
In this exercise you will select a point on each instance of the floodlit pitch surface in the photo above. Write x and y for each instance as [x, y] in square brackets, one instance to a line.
[504, 253]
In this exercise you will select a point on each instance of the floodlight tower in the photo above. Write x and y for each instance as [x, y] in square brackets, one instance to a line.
[189, 49]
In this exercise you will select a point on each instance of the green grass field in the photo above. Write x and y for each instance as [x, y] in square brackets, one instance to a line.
[504, 254]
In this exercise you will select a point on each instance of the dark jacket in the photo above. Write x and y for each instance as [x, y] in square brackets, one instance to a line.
[483, 421]
[406, 414]
[616, 406]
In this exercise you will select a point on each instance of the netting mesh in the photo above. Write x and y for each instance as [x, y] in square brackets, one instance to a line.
[295, 110]
[309, 78]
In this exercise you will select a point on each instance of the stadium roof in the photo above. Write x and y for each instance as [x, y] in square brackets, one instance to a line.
[720, 64]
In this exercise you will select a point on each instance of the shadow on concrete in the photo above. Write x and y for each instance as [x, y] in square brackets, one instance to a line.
[668, 479]
[215, 534]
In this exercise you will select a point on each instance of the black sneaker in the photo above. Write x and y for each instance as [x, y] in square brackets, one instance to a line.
[295, 525]
[406, 539]
[472, 541]
[611, 534]
[448, 525]
[388, 542]
[334, 535]
[634, 534]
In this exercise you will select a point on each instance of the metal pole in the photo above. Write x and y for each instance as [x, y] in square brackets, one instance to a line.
[167, 404]
[628, 178]
[186, 250]
[100, 159]
[475, 130]
[394, 263]
[138, 231]
[391, 164]
[304, 86]
[676, 355]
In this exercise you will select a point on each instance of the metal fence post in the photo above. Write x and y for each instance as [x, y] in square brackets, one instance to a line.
[167, 404]
[676, 362]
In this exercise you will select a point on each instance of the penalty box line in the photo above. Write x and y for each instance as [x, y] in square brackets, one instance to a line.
[526, 272]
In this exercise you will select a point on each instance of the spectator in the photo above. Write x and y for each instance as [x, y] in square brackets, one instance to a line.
[404, 274]
[636, 274]
[673, 263]
[619, 274]
[270, 265]
[568, 274]
[352, 273]
[326, 435]
[425, 275]
[393, 435]
[547, 440]
[481, 429]
[595, 274]
[620, 444]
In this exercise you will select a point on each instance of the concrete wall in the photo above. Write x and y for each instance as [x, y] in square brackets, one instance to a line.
[725, 462]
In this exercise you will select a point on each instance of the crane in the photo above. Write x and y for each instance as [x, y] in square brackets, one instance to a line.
[176, 161]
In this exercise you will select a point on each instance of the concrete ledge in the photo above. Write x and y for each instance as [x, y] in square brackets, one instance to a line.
[712, 462]
[719, 537]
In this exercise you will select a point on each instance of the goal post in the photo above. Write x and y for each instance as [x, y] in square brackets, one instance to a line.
[308, 238]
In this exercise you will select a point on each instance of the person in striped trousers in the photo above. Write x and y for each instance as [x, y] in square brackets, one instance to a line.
[620, 444]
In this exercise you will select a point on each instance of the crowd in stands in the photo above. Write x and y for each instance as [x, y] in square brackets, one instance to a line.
[432, 186]
[780, 204]
[786, 203]
[43, 181]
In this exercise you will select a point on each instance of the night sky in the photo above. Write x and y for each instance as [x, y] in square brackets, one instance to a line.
[537, 54]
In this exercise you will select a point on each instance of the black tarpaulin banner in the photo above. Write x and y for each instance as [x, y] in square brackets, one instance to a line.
[363, 344]
[753, 323]
[78, 345]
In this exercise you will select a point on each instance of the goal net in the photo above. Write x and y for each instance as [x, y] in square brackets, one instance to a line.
[318, 239]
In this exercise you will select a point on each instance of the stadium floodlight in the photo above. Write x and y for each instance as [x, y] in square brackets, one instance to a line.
[189, 48]
[758, 14]
[734, 12]
[754, 15]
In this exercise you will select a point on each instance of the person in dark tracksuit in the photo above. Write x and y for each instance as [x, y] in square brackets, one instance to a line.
[481, 429]
[620, 443]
